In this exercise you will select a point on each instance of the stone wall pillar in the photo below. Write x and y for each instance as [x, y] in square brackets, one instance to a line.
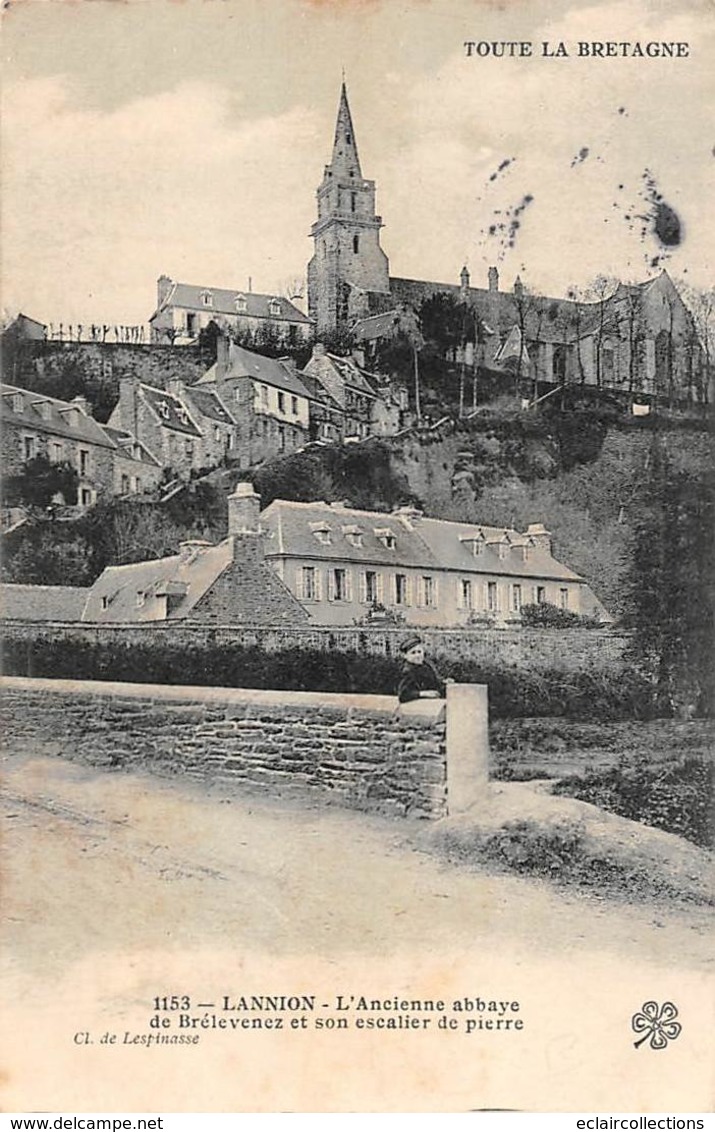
[467, 747]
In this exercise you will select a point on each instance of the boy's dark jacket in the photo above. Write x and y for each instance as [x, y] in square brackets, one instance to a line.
[416, 678]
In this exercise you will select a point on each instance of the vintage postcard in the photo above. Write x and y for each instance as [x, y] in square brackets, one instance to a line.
[357, 367]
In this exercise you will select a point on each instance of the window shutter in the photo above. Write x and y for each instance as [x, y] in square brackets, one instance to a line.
[435, 592]
[299, 583]
[460, 583]
[380, 581]
[318, 584]
[331, 585]
[408, 590]
[348, 585]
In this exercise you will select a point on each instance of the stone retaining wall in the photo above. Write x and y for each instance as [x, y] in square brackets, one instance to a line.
[359, 751]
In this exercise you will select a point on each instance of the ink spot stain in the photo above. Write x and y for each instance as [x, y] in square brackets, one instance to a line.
[666, 224]
[622, 110]
[580, 156]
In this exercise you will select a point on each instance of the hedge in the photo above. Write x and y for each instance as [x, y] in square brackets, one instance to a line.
[586, 695]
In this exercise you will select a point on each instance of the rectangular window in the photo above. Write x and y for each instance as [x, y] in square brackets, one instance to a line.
[339, 584]
[264, 394]
[310, 589]
[190, 323]
[540, 595]
[492, 597]
[294, 406]
[57, 453]
[427, 590]
[401, 589]
[516, 597]
[281, 402]
[28, 447]
[564, 598]
[189, 444]
[83, 461]
[281, 438]
[85, 497]
[370, 587]
[466, 594]
[125, 485]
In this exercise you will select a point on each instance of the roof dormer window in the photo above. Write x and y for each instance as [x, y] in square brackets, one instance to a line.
[207, 298]
[241, 304]
[386, 537]
[163, 409]
[183, 415]
[474, 543]
[17, 403]
[353, 535]
[274, 307]
[321, 532]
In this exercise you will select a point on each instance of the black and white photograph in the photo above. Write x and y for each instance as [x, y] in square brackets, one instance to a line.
[357, 583]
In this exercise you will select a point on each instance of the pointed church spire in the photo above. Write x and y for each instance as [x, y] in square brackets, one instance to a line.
[345, 161]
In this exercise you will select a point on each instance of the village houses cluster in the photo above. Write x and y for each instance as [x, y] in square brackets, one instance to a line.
[320, 562]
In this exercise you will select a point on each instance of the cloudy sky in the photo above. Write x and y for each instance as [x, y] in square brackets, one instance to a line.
[151, 136]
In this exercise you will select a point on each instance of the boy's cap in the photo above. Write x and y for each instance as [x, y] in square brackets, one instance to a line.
[410, 643]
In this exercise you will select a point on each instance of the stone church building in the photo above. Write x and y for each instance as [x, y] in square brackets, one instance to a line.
[639, 339]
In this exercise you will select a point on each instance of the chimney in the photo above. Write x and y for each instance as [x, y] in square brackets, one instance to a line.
[128, 405]
[493, 279]
[518, 287]
[223, 355]
[540, 537]
[176, 386]
[318, 350]
[464, 281]
[244, 509]
[163, 286]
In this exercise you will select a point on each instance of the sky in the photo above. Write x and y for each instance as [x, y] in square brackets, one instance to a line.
[188, 137]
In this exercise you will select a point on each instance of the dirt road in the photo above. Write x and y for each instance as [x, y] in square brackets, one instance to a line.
[121, 889]
[95, 857]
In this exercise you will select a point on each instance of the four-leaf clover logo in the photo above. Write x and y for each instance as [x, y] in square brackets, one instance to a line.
[657, 1023]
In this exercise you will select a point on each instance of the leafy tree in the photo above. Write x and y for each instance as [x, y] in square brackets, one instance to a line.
[40, 483]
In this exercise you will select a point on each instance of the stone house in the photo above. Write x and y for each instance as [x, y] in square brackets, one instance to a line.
[229, 583]
[265, 396]
[341, 562]
[366, 404]
[65, 431]
[165, 424]
[183, 310]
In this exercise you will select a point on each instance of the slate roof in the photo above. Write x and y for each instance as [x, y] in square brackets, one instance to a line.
[290, 533]
[189, 296]
[420, 543]
[63, 418]
[171, 410]
[138, 450]
[208, 403]
[318, 392]
[270, 371]
[376, 326]
[351, 374]
[188, 581]
[42, 603]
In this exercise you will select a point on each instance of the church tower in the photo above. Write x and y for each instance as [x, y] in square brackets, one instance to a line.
[348, 261]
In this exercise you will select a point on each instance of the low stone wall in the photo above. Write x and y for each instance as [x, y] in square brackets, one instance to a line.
[570, 650]
[359, 751]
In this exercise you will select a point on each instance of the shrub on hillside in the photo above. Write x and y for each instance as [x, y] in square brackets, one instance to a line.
[676, 796]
